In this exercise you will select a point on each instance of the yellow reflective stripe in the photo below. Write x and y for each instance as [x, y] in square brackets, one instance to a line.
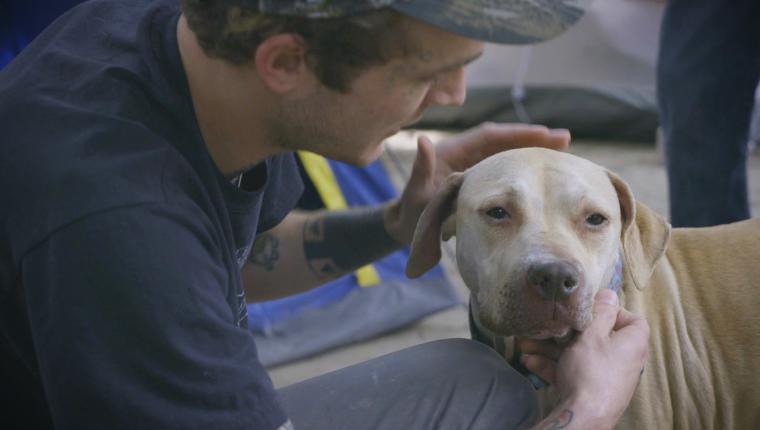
[367, 276]
[322, 177]
[329, 191]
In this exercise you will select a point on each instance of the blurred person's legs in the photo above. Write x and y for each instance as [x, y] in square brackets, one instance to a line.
[448, 384]
[708, 69]
[754, 129]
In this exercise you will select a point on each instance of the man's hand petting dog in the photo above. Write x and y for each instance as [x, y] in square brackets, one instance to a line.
[612, 348]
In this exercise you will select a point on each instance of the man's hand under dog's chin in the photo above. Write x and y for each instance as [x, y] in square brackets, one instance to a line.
[601, 366]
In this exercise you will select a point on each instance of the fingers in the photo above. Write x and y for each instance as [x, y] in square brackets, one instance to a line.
[546, 348]
[540, 357]
[542, 367]
[606, 311]
[424, 164]
[511, 136]
[633, 331]
[627, 318]
[490, 139]
[466, 149]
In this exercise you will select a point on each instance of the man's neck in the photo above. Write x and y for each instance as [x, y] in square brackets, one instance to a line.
[227, 102]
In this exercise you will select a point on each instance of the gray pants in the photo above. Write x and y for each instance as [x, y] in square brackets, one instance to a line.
[446, 384]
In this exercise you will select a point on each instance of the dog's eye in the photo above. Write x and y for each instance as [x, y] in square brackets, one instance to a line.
[497, 213]
[596, 219]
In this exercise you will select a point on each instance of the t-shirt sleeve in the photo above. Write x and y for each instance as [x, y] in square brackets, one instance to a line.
[132, 328]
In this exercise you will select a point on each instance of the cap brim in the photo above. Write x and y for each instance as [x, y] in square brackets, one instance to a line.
[515, 22]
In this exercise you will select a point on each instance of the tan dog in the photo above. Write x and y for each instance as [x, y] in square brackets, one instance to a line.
[539, 232]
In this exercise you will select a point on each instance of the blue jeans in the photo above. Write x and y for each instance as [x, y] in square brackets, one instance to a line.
[707, 72]
[446, 384]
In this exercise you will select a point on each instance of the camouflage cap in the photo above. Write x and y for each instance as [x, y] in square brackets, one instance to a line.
[500, 21]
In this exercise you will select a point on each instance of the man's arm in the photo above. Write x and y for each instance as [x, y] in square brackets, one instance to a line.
[310, 248]
[132, 326]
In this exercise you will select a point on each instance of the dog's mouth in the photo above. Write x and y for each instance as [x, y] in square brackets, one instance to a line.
[550, 331]
[552, 321]
[566, 339]
[533, 317]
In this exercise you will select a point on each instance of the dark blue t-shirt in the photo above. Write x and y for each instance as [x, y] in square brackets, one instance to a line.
[121, 304]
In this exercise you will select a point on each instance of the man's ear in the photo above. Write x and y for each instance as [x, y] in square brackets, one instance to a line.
[426, 244]
[644, 236]
[280, 62]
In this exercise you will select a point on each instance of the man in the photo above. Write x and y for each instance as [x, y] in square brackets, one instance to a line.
[144, 150]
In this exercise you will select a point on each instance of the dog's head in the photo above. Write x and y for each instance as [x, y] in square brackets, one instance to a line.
[538, 233]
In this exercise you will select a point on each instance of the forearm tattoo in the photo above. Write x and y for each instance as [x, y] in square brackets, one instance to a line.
[339, 242]
[265, 251]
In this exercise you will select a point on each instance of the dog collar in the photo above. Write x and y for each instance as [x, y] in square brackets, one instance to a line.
[616, 283]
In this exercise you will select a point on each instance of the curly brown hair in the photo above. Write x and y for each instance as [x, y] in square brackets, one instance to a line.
[338, 49]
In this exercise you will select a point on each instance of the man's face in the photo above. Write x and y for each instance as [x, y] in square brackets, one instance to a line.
[351, 126]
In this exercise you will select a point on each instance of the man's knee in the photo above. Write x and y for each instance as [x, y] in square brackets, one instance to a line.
[453, 383]
[494, 388]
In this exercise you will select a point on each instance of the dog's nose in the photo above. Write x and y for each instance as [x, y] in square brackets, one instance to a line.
[556, 279]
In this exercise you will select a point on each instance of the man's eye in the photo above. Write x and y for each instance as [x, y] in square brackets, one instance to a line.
[497, 213]
[596, 219]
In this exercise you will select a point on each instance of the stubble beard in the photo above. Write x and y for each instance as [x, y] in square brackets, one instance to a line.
[313, 125]
[299, 127]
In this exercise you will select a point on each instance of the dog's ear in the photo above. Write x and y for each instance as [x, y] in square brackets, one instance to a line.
[644, 235]
[449, 227]
[426, 244]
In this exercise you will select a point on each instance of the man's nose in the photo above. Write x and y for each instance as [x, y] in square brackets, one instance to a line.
[450, 90]
[553, 280]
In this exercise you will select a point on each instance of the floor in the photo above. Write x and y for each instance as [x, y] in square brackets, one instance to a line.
[639, 164]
